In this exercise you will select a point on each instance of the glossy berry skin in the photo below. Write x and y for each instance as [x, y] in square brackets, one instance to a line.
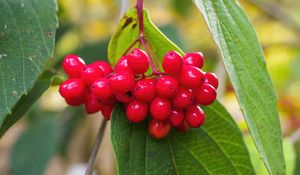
[122, 65]
[106, 111]
[126, 97]
[101, 89]
[75, 101]
[191, 77]
[166, 86]
[138, 61]
[183, 99]
[194, 116]
[183, 127]
[72, 88]
[194, 59]
[104, 66]
[144, 90]
[122, 82]
[176, 117]
[90, 73]
[160, 108]
[91, 104]
[137, 111]
[172, 62]
[158, 129]
[206, 94]
[72, 65]
[212, 79]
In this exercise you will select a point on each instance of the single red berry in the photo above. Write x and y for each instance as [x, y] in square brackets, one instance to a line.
[104, 66]
[122, 82]
[106, 111]
[138, 61]
[194, 116]
[109, 101]
[75, 101]
[144, 90]
[194, 59]
[212, 79]
[176, 117]
[90, 73]
[183, 99]
[122, 65]
[158, 129]
[166, 86]
[72, 88]
[72, 65]
[183, 127]
[191, 77]
[101, 89]
[206, 94]
[92, 104]
[172, 62]
[160, 108]
[126, 97]
[137, 111]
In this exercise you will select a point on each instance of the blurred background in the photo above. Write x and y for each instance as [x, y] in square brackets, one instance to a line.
[55, 139]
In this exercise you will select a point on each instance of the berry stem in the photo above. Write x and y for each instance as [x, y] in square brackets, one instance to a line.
[130, 47]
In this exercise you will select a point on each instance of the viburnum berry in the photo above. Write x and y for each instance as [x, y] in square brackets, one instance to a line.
[138, 61]
[104, 66]
[122, 65]
[191, 77]
[183, 99]
[137, 111]
[109, 101]
[101, 89]
[194, 59]
[92, 104]
[126, 97]
[144, 90]
[194, 116]
[176, 117]
[106, 111]
[172, 62]
[206, 94]
[158, 128]
[72, 65]
[212, 79]
[183, 127]
[160, 108]
[75, 101]
[166, 86]
[72, 88]
[122, 82]
[90, 73]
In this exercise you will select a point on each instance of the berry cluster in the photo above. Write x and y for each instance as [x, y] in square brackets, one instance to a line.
[171, 97]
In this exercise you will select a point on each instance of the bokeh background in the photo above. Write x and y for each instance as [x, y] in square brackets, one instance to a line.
[56, 139]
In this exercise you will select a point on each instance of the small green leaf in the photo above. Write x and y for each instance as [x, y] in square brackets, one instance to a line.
[27, 34]
[246, 66]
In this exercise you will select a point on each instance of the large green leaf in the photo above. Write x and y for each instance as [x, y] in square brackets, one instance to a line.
[246, 66]
[26, 43]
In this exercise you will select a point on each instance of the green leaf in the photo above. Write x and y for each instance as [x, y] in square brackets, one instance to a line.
[215, 148]
[26, 44]
[245, 64]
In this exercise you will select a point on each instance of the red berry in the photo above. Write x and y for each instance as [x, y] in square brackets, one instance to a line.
[166, 86]
[101, 88]
[106, 111]
[160, 108]
[194, 59]
[92, 104]
[194, 116]
[183, 127]
[75, 101]
[212, 79]
[183, 99]
[137, 111]
[138, 61]
[72, 65]
[104, 66]
[158, 129]
[191, 77]
[206, 94]
[144, 90]
[122, 65]
[109, 101]
[90, 73]
[172, 62]
[122, 82]
[126, 97]
[176, 117]
[72, 88]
